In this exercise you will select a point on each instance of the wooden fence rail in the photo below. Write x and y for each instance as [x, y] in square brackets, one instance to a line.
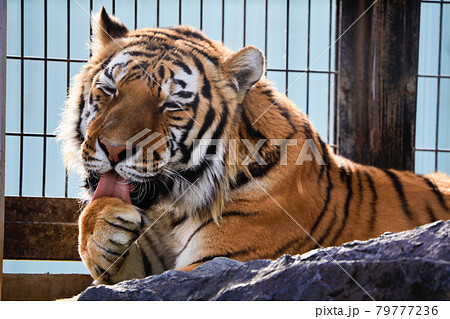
[42, 229]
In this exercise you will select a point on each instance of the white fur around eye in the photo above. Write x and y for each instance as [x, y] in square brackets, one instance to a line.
[179, 94]
[115, 70]
[191, 81]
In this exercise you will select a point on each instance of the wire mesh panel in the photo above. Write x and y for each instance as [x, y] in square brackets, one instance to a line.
[48, 44]
[433, 91]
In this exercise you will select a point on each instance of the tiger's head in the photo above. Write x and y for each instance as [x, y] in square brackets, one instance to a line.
[139, 107]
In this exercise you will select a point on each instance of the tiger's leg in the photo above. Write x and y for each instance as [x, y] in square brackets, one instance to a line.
[190, 267]
[109, 229]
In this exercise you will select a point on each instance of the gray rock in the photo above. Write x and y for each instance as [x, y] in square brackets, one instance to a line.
[411, 265]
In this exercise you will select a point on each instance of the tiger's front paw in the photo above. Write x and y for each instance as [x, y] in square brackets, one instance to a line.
[108, 227]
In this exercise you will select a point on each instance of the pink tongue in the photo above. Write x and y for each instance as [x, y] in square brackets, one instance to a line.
[113, 185]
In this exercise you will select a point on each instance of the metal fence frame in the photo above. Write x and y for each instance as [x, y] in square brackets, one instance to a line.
[369, 130]
[2, 130]
[439, 76]
[68, 60]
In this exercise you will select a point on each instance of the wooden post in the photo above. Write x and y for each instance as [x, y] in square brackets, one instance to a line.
[377, 64]
[2, 129]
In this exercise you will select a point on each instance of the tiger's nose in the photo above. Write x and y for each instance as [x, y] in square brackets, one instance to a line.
[114, 153]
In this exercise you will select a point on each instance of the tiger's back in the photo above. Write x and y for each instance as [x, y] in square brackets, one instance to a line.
[308, 206]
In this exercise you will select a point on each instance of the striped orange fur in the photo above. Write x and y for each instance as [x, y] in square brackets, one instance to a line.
[178, 83]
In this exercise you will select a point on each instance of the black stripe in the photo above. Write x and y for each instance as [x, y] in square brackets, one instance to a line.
[133, 76]
[190, 33]
[206, 88]
[116, 243]
[102, 147]
[325, 156]
[268, 92]
[124, 220]
[147, 265]
[360, 190]
[80, 135]
[181, 35]
[325, 206]
[170, 106]
[437, 192]
[172, 54]
[100, 271]
[257, 170]
[299, 245]
[161, 72]
[106, 61]
[109, 73]
[105, 249]
[227, 255]
[141, 53]
[193, 104]
[254, 134]
[182, 65]
[348, 179]
[322, 213]
[195, 172]
[308, 131]
[187, 129]
[179, 221]
[282, 250]
[176, 118]
[287, 116]
[399, 189]
[331, 224]
[209, 118]
[209, 221]
[223, 121]
[180, 83]
[135, 232]
[139, 66]
[107, 259]
[431, 214]
[193, 45]
[184, 94]
[342, 173]
[373, 202]
[160, 257]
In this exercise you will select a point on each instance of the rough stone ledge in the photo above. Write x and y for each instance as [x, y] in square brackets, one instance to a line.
[411, 265]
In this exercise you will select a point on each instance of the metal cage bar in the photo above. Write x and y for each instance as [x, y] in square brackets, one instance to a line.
[438, 76]
[44, 144]
[22, 86]
[69, 59]
[2, 130]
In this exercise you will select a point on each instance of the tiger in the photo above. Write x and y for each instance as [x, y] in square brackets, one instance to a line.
[189, 153]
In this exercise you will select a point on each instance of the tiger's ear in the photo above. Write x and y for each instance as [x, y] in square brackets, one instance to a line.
[106, 27]
[245, 67]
